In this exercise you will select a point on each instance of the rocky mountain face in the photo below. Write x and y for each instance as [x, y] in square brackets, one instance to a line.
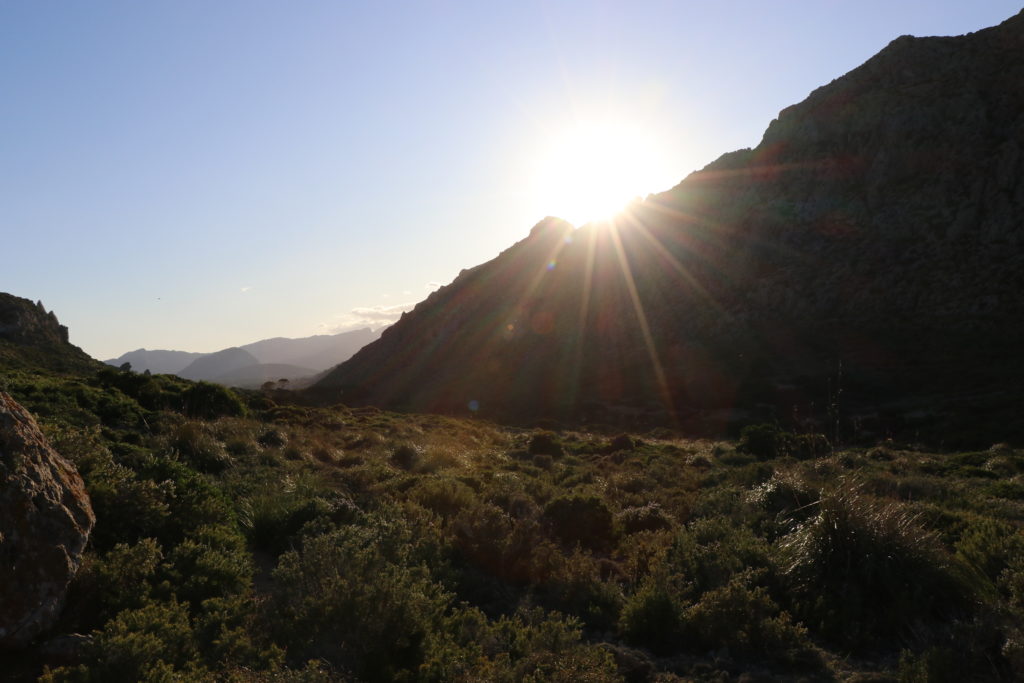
[45, 521]
[31, 337]
[866, 258]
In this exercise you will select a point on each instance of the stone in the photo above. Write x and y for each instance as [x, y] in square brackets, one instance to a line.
[45, 521]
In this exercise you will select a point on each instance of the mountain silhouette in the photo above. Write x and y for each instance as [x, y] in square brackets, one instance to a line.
[32, 338]
[866, 257]
[213, 365]
[157, 361]
[253, 364]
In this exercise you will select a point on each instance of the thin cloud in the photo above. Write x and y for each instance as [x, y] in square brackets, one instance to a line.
[368, 316]
[246, 289]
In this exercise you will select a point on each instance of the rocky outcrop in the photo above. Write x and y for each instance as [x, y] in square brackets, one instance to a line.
[23, 322]
[32, 338]
[870, 248]
[45, 521]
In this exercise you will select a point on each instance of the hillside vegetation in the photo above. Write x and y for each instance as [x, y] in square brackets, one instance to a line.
[241, 538]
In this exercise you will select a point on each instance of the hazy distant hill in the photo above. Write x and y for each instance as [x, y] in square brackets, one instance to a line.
[32, 338]
[156, 361]
[870, 249]
[214, 365]
[253, 364]
[253, 376]
[318, 352]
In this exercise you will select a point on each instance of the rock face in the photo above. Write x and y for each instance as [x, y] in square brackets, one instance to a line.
[32, 338]
[45, 521]
[871, 248]
[23, 322]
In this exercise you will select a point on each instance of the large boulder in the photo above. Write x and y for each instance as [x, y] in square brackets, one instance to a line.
[45, 521]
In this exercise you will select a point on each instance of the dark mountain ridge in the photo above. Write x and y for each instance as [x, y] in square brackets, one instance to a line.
[865, 258]
[31, 337]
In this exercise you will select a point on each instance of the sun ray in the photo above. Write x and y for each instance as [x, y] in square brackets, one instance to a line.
[669, 257]
[645, 328]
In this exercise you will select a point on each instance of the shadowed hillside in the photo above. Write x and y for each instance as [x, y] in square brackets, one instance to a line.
[864, 259]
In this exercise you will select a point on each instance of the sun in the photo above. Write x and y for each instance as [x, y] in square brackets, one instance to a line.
[591, 170]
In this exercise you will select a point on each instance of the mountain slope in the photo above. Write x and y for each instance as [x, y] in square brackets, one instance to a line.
[32, 338]
[157, 361]
[319, 352]
[868, 251]
[213, 365]
[307, 355]
[254, 376]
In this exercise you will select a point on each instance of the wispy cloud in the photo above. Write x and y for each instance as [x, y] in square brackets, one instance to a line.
[367, 316]
[245, 289]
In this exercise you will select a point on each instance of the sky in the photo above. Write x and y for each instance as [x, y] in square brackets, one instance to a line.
[195, 175]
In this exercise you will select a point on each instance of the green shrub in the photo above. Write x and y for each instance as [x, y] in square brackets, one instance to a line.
[128, 508]
[211, 563]
[342, 598]
[195, 442]
[272, 438]
[580, 518]
[765, 441]
[622, 442]
[807, 446]
[649, 517]
[208, 401]
[120, 579]
[863, 572]
[405, 456]
[274, 512]
[786, 499]
[545, 443]
[988, 546]
[152, 643]
[530, 645]
[576, 587]
[443, 495]
[652, 617]
[708, 552]
[743, 618]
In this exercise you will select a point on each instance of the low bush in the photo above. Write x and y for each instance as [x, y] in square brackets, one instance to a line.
[340, 597]
[545, 443]
[580, 518]
[405, 456]
[195, 442]
[652, 617]
[742, 617]
[764, 441]
[649, 517]
[208, 401]
[863, 572]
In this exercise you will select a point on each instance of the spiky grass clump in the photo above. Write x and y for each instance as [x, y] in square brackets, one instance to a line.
[864, 572]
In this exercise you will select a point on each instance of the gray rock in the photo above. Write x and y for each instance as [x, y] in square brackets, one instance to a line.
[45, 521]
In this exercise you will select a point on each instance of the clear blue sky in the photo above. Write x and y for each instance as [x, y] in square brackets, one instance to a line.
[195, 175]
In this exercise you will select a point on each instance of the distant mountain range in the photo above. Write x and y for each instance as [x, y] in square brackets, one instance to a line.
[253, 364]
[864, 261]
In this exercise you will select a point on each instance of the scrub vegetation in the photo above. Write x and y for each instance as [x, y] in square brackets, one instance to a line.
[242, 538]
